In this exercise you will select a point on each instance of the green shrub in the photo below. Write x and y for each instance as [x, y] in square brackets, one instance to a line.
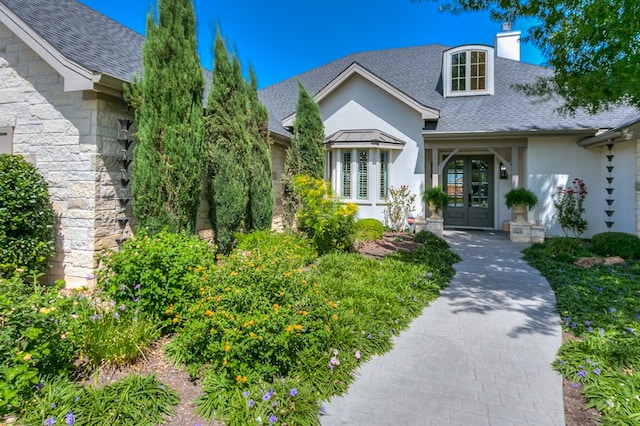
[328, 223]
[26, 217]
[368, 229]
[134, 400]
[38, 337]
[627, 246]
[156, 274]
[430, 239]
[115, 335]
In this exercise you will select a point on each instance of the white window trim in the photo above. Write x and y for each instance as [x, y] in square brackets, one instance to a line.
[373, 174]
[446, 71]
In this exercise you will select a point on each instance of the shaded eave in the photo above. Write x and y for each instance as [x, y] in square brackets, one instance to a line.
[497, 134]
[75, 76]
[622, 133]
[427, 113]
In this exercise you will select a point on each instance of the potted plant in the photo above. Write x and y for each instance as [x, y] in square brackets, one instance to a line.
[437, 200]
[519, 200]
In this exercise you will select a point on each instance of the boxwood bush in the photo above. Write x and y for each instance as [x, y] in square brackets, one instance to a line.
[26, 217]
[627, 246]
[368, 229]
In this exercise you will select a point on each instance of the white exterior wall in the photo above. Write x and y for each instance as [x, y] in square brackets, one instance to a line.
[359, 104]
[61, 133]
[556, 161]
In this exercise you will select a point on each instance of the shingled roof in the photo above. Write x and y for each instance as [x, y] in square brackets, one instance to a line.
[417, 72]
[83, 35]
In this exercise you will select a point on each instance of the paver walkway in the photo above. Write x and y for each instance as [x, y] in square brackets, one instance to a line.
[479, 355]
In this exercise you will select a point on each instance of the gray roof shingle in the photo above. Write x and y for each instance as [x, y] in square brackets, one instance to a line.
[83, 35]
[416, 71]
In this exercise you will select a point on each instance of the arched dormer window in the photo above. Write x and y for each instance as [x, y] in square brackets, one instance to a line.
[468, 71]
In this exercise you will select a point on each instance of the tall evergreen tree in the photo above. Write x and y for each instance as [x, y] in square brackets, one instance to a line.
[227, 146]
[260, 208]
[306, 155]
[168, 159]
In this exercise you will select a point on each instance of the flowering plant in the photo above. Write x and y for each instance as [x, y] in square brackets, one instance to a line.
[569, 203]
[400, 204]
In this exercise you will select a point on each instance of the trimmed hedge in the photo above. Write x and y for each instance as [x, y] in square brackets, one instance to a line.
[26, 217]
[627, 246]
[369, 229]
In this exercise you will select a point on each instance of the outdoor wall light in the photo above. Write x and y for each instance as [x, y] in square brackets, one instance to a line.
[503, 172]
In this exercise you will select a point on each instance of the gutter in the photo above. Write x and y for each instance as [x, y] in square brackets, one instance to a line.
[602, 139]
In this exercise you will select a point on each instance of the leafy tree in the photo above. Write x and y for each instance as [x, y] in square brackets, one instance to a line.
[593, 47]
[168, 159]
[260, 208]
[306, 153]
[227, 147]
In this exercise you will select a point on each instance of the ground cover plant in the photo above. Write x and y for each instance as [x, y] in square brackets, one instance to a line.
[600, 307]
[277, 330]
[272, 330]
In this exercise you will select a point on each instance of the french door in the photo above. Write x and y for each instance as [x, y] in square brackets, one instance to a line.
[469, 182]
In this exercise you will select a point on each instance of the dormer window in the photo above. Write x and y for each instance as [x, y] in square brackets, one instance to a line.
[468, 71]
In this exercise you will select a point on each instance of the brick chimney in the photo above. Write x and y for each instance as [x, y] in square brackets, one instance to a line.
[507, 43]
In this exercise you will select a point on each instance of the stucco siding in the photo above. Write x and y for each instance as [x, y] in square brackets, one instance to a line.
[359, 104]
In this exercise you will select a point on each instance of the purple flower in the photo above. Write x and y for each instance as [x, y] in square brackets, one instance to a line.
[612, 310]
[69, 419]
[601, 332]
[121, 307]
[273, 419]
[582, 373]
[94, 318]
[251, 403]
[322, 410]
[39, 386]
[597, 371]
[136, 300]
[293, 391]
[122, 287]
[587, 323]
[573, 325]
[429, 275]
[53, 405]
[267, 395]
[590, 329]
[136, 287]
[76, 399]
[50, 421]
[357, 355]
[574, 385]
[246, 394]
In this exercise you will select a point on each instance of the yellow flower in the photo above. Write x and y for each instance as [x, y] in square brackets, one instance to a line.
[289, 329]
[208, 313]
[227, 289]
[234, 273]
[334, 316]
[227, 347]
[224, 362]
[297, 327]
[175, 319]
[252, 334]
[27, 357]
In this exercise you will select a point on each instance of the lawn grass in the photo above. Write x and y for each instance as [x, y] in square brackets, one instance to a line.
[600, 306]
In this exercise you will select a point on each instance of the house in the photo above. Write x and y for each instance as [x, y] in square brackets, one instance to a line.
[62, 70]
[417, 116]
[438, 115]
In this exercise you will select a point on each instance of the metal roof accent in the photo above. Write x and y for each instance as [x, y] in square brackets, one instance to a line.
[363, 138]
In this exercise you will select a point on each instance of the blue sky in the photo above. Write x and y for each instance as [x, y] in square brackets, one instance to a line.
[283, 38]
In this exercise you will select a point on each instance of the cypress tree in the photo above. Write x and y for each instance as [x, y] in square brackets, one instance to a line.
[168, 158]
[260, 208]
[227, 146]
[306, 155]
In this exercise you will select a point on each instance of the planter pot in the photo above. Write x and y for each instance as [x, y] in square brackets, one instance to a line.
[434, 210]
[520, 210]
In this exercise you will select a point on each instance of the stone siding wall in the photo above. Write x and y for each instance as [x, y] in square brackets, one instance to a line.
[278, 155]
[60, 133]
